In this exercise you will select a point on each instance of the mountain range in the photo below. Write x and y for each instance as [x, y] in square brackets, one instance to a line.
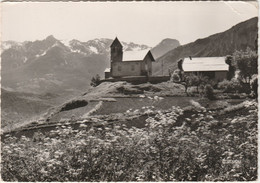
[239, 37]
[55, 66]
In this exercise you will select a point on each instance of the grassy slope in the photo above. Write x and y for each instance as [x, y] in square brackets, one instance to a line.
[106, 90]
[19, 107]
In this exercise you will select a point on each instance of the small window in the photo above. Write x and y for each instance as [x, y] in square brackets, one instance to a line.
[132, 67]
[119, 68]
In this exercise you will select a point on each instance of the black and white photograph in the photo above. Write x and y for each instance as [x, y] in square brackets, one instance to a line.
[129, 91]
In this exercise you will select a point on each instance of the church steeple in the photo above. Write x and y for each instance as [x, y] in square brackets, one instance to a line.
[116, 51]
[116, 42]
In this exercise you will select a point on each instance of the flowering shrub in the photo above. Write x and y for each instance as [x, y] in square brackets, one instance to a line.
[174, 146]
[230, 86]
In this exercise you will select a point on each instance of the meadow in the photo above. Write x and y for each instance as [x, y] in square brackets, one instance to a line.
[174, 145]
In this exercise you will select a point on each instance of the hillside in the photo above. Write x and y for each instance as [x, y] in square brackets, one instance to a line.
[18, 107]
[239, 37]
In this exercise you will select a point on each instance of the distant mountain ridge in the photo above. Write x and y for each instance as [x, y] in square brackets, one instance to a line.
[101, 46]
[164, 46]
[20, 53]
[239, 37]
[50, 65]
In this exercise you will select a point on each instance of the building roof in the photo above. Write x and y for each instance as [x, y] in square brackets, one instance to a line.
[136, 55]
[107, 70]
[204, 64]
[116, 42]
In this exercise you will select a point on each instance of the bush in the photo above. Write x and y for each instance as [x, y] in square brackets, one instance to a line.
[190, 80]
[95, 81]
[74, 104]
[229, 86]
[246, 62]
[175, 77]
[209, 92]
[254, 86]
[230, 61]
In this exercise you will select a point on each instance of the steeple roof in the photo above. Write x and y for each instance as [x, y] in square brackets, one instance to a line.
[116, 42]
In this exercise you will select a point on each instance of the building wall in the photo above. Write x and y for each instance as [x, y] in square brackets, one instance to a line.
[220, 75]
[146, 67]
[130, 68]
[107, 74]
[149, 64]
[214, 75]
[116, 54]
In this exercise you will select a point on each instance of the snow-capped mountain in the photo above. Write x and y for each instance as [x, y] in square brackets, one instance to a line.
[38, 48]
[52, 65]
[8, 44]
[96, 46]
[101, 46]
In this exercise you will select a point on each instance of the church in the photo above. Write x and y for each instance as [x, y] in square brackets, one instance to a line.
[128, 63]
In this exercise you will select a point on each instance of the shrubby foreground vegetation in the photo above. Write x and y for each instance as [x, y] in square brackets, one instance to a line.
[175, 145]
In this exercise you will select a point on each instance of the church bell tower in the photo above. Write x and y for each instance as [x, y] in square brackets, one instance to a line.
[116, 51]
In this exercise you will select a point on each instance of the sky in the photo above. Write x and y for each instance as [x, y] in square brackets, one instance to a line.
[139, 22]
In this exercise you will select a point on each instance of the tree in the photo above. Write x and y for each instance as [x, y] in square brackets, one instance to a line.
[229, 86]
[95, 81]
[246, 63]
[230, 61]
[175, 77]
[209, 92]
[186, 82]
[254, 86]
[190, 80]
[200, 80]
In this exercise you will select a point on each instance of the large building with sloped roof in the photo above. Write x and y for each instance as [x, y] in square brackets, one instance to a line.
[128, 63]
[214, 68]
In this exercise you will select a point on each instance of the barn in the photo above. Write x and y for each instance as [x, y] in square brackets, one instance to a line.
[128, 63]
[215, 68]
